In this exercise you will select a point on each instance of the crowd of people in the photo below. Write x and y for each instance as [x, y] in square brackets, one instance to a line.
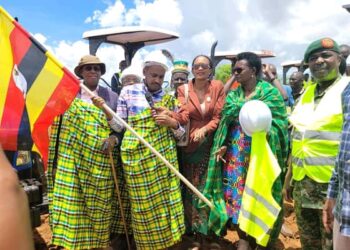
[198, 131]
[108, 190]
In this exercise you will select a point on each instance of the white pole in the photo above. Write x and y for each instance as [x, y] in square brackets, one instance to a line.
[171, 167]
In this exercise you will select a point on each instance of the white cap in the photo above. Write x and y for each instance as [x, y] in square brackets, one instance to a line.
[155, 58]
[132, 70]
[255, 116]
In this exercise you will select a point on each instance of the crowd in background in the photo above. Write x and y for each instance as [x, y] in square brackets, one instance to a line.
[107, 189]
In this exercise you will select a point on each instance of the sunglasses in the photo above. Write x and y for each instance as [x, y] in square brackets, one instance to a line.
[237, 71]
[95, 68]
[200, 65]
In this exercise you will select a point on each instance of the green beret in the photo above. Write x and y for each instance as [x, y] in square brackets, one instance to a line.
[319, 45]
[180, 66]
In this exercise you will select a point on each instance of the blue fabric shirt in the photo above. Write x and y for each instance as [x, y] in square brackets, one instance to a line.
[339, 186]
[132, 101]
[290, 101]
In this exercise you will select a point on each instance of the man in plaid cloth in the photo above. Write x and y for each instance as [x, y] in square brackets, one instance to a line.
[154, 191]
[82, 203]
[336, 211]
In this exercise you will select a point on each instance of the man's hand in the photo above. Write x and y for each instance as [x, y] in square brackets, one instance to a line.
[219, 154]
[109, 143]
[268, 73]
[161, 111]
[163, 117]
[165, 120]
[327, 215]
[98, 101]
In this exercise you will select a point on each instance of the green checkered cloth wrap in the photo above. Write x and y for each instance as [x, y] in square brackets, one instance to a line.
[154, 191]
[277, 138]
[83, 207]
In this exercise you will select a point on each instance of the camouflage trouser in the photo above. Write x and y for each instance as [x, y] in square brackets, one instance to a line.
[309, 220]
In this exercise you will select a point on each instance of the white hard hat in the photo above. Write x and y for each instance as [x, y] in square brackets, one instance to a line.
[132, 70]
[255, 116]
[155, 58]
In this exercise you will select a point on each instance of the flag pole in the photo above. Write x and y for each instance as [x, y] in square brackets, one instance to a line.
[116, 184]
[165, 161]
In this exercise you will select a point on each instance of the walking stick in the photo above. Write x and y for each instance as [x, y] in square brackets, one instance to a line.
[119, 199]
[154, 151]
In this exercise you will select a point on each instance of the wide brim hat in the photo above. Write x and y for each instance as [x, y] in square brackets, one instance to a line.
[319, 45]
[89, 59]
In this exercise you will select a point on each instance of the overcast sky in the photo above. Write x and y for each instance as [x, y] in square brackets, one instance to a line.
[285, 27]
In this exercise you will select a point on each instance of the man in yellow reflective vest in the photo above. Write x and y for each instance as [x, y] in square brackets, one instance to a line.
[317, 121]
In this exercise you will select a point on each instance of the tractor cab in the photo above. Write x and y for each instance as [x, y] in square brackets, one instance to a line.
[217, 57]
[296, 64]
[131, 39]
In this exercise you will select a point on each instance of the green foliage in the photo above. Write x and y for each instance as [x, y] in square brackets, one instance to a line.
[223, 72]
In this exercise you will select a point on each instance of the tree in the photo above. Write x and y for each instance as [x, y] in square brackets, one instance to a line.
[223, 72]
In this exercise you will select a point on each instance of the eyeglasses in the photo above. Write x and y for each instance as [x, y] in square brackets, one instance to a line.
[200, 65]
[95, 68]
[237, 71]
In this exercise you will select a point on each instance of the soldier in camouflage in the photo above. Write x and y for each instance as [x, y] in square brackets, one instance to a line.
[309, 197]
[315, 141]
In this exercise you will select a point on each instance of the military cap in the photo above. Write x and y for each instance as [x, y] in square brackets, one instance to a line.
[319, 45]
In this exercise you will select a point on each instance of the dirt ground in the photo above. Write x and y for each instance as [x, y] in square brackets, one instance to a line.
[42, 234]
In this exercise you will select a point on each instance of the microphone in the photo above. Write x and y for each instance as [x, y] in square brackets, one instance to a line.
[149, 99]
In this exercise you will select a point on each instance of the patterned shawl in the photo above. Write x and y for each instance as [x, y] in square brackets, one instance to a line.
[277, 138]
[154, 191]
[83, 206]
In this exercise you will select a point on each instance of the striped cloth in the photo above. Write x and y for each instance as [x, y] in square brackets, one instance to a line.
[82, 203]
[154, 191]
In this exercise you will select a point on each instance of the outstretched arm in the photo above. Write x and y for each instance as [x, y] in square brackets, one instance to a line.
[15, 230]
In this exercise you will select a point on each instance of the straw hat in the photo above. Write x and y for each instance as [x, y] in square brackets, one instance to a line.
[89, 59]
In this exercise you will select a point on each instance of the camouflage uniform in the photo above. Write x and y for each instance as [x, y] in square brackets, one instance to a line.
[309, 197]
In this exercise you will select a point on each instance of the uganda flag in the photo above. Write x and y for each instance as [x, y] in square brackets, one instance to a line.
[34, 88]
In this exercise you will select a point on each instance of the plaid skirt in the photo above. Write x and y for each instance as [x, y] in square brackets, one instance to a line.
[154, 191]
[83, 207]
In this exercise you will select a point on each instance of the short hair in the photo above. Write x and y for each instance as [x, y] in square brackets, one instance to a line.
[344, 46]
[253, 60]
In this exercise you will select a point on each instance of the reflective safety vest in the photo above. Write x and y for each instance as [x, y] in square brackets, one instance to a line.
[317, 132]
[259, 210]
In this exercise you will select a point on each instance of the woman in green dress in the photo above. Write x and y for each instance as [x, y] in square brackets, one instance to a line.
[230, 156]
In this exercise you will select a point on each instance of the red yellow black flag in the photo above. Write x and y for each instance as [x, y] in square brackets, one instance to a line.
[34, 88]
